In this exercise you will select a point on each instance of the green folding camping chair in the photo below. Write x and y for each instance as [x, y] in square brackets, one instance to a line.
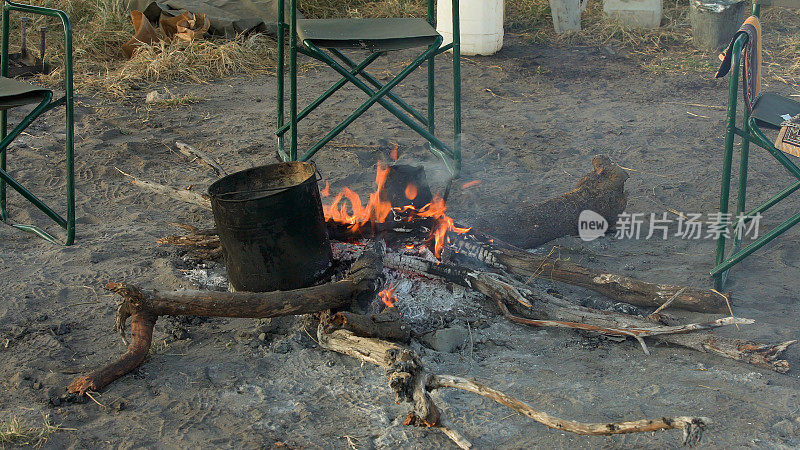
[377, 36]
[14, 94]
[765, 111]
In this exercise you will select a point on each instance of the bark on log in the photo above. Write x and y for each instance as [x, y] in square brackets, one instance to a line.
[602, 190]
[527, 266]
[542, 309]
[411, 383]
[143, 308]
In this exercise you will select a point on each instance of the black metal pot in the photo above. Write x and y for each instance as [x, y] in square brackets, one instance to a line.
[272, 227]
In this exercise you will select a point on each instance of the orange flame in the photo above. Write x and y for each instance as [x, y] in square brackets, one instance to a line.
[387, 296]
[470, 184]
[377, 210]
[326, 192]
[436, 209]
[411, 191]
[393, 153]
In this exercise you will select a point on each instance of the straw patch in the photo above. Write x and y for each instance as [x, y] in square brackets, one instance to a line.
[14, 432]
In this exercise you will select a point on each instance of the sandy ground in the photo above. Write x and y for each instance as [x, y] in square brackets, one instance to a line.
[533, 118]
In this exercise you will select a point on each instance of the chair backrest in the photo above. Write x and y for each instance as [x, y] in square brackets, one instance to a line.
[794, 4]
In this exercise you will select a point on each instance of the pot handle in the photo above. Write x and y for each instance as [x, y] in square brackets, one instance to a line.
[316, 171]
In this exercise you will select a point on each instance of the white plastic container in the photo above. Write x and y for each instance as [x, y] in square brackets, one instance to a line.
[567, 14]
[481, 23]
[635, 13]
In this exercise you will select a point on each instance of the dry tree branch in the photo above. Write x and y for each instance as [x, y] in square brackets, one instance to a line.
[412, 383]
[144, 308]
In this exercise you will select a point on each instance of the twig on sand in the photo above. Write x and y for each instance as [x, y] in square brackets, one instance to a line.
[412, 383]
[204, 158]
[183, 195]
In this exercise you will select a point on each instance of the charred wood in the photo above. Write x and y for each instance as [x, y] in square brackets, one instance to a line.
[542, 309]
[602, 190]
[527, 266]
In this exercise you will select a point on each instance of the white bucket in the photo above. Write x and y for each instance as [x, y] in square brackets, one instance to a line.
[481, 23]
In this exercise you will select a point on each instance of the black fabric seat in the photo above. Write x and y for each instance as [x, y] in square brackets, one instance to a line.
[375, 35]
[14, 93]
[770, 109]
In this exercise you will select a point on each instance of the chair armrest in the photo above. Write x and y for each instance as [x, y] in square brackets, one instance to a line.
[42, 11]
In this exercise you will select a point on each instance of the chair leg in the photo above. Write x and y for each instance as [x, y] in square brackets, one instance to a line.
[280, 81]
[293, 84]
[431, 98]
[70, 162]
[741, 195]
[724, 196]
[456, 88]
[3, 134]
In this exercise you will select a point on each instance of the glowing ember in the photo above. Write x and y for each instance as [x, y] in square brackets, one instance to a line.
[470, 184]
[326, 192]
[387, 296]
[393, 153]
[411, 191]
[376, 211]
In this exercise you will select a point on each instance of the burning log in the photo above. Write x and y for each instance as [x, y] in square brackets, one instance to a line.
[602, 190]
[412, 383]
[512, 260]
[550, 311]
[526, 265]
[144, 308]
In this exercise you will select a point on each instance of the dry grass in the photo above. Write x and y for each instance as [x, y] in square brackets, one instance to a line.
[363, 8]
[14, 432]
[197, 61]
[101, 26]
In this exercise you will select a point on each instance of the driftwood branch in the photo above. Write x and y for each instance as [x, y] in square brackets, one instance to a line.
[602, 190]
[548, 310]
[144, 308]
[202, 157]
[692, 426]
[412, 383]
[182, 195]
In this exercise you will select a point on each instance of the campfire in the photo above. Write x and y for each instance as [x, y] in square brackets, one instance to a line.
[394, 244]
[379, 208]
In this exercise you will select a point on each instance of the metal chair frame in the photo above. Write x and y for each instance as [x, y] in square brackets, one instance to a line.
[6, 137]
[749, 133]
[420, 123]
